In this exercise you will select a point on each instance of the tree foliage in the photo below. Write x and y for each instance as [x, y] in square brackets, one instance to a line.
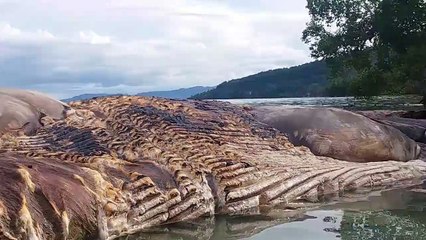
[300, 81]
[372, 46]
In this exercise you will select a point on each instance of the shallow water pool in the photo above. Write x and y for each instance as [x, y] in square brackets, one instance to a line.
[394, 214]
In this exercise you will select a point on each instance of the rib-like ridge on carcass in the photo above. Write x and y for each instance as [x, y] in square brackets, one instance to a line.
[120, 165]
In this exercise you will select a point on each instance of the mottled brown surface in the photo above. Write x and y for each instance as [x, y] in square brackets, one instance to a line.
[340, 134]
[39, 101]
[412, 124]
[21, 111]
[120, 165]
[26, 121]
[44, 199]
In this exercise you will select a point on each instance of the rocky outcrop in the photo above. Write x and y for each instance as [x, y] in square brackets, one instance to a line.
[120, 165]
[340, 134]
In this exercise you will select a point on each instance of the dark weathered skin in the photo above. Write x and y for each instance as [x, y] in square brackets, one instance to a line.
[120, 165]
[412, 124]
[340, 134]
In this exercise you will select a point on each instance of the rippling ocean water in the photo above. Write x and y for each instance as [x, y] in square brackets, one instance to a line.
[375, 103]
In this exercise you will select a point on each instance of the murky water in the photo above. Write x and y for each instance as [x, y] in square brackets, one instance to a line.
[393, 214]
[396, 214]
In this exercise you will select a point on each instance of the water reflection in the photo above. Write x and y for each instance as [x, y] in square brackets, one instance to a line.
[395, 214]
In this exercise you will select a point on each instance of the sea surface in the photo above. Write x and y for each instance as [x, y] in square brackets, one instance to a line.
[375, 103]
[398, 214]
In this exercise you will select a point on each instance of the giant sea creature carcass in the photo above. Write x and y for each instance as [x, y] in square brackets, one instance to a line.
[109, 167]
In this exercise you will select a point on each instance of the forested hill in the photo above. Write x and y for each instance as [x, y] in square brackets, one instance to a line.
[181, 93]
[305, 80]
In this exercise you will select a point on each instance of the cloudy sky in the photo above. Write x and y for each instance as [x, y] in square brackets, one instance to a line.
[70, 47]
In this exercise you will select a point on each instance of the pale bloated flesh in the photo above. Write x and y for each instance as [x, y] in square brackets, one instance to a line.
[341, 134]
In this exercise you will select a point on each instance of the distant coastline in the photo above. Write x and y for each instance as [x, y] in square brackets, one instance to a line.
[182, 93]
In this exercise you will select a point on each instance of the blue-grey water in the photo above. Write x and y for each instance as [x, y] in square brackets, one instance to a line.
[374, 103]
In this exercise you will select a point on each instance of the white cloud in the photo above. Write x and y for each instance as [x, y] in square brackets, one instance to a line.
[72, 47]
[45, 34]
[93, 38]
[7, 31]
[13, 34]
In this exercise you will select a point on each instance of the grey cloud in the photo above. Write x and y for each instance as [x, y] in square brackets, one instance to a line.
[173, 46]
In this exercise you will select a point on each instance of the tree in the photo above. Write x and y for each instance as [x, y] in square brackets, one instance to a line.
[377, 46]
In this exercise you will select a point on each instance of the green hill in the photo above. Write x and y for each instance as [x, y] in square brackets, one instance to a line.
[309, 79]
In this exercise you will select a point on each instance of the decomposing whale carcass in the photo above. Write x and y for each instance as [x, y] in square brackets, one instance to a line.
[340, 134]
[119, 165]
[23, 110]
[412, 124]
